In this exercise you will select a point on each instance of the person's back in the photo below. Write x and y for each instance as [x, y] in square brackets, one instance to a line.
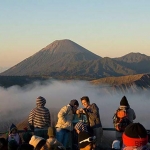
[3, 144]
[52, 142]
[12, 145]
[37, 142]
[39, 118]
[120, 125]
[135, 137]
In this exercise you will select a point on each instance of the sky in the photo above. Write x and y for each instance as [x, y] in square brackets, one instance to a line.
[108, 28]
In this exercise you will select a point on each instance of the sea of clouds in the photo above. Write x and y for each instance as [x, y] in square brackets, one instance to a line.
[17, 102]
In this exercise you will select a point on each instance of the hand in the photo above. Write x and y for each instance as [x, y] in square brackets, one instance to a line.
[78, 111]
[82, 110]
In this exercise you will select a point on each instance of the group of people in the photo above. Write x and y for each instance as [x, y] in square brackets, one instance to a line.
[70, 120]
[79, 128]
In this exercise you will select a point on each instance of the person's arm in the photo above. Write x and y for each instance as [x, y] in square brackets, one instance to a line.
[62, 113]
[93, 111]
[30, 119]
[49, 118]
[134, 115]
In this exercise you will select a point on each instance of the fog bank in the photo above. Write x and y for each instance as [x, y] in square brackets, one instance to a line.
[17, 102]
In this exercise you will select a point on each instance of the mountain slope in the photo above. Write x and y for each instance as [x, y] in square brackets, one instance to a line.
[64, 59]
[53, 58]
[130, 83]
[135, 61]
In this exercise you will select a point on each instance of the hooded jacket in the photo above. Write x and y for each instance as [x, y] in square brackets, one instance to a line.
[65, 117]
[39, 117]
[14, 136]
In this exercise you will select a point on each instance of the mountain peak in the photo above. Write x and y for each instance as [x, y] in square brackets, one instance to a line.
[133, 57]
[65, 46]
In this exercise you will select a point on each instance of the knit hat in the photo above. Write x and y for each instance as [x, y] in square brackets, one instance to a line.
[25, 146]
[124, 101]
[135, 135]
[51, 132]
[3, 141]
[116, 144]
[27, 137]
[12, 127]
[12, 145]
[74, 102]
[40, 101]
[81, 127]
[85, 139]
[35, 140]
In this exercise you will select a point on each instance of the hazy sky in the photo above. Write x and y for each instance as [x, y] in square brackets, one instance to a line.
[109, 28]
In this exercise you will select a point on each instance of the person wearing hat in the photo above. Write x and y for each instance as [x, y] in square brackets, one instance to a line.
[14, 135]
[39, 118]
[116, 145]
[37, 142]
[26, 146]
[64, 124]
[124, 105]
[85, 140]
[12, 144]
[3, 144]
[52, 142]
[135, 137]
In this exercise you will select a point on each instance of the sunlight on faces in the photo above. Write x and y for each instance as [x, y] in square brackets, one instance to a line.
[85, 103]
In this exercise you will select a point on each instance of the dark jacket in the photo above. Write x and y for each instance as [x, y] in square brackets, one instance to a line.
[93, 116]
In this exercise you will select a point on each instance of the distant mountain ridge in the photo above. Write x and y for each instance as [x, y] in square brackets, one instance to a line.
[124, 84]
[65, 59]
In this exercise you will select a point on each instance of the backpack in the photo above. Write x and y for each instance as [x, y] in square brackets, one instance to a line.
[120, 119]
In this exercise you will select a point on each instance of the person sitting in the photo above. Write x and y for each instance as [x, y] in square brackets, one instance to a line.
[25, 146]
[116, 145]
[37, 142]
[3, 144]
[52, 142]
[12, 144]
[26, 136]
[13, 134]
[85, 140]
[135, 137]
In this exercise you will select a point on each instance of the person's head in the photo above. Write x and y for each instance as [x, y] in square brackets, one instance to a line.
[74, 103]
[124, 101]
[80, 127]
[116, 145]
[37, 142]
[51, 132]
[25, 146]
[13, 129]
[86, 142]
[27, 137]
[3, 143]
[85, 101]
[135, 135]
[12, 145]
[40, 101]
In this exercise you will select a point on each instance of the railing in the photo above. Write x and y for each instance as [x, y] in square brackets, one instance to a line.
[106, 129]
